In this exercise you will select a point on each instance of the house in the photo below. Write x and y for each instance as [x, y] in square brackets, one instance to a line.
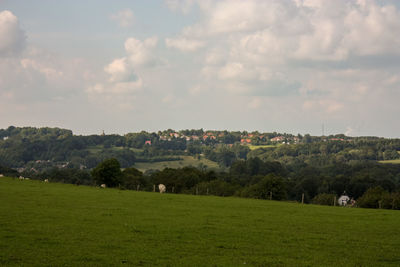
[336, 139]
[148, 142]
[248, 141]
[278, 139]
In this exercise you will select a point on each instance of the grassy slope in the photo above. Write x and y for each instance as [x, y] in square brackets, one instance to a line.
[254, 147]
[56, 224]
[393, 161]
[187, 161]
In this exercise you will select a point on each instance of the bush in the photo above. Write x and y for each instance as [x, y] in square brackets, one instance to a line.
[216, 188]
[373, 198]
[324, 199]
[263, 189]
[391, 201]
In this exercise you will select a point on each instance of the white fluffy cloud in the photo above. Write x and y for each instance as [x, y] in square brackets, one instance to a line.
[124, 18]
[184, 44]
[12, 37]
[254, 46]
[120, 71]
[140, 52]
[124, 79]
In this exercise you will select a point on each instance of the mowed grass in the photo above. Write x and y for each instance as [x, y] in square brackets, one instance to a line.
[254, 147]
[392, 161]
[186, 161]
[46, 224]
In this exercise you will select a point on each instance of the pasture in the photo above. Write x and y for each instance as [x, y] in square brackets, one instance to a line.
[186, 161]
[50, 224]
[254, 147]
[391, 161]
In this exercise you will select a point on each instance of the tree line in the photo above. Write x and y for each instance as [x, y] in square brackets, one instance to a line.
[372, 185]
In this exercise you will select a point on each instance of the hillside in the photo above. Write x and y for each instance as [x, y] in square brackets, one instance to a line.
[51, 224]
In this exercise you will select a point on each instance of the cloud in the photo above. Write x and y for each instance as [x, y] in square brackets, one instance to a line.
[124, 79]
[184, 44]
[120, 71]
[12, 37]
[140, 52]
[124, 18]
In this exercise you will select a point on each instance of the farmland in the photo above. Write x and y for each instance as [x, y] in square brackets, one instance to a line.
[393, 161]
[51, 224]
[185, 161]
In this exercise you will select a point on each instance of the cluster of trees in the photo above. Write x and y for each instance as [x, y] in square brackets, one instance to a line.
[318, 167]
[254, 178]
[24, 147]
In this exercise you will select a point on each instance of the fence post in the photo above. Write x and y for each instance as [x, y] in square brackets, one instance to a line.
[154, 188]
[334, 201]
[270, 195]
[137, 187]
[173, 189]
[302, 198]
[207, 191]
[197, 190]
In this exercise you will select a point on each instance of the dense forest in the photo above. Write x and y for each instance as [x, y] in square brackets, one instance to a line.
[258, 165]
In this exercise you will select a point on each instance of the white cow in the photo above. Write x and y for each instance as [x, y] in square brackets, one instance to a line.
[21, 178]
[103, 186]
[162, 188]
[46, 180]
[343, 200]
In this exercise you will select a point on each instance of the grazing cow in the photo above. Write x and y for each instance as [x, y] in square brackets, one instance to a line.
[46, 180]
[21, 178]
[162, 188]
[103, 186]
[1, 175]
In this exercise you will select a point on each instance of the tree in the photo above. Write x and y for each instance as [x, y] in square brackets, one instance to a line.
[270, 184]
[132, 178]
[324, 199]
[108, 172]
[372, 198]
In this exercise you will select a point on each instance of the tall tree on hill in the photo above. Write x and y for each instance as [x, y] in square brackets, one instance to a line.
[108, 172]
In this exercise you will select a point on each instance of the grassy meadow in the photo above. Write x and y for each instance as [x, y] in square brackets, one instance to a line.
[50, 224]
[186, 161]
[391, 161]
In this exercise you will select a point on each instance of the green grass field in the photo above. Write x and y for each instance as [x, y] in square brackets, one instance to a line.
[253, 147]
[393, 161]
[46, 224]
[186, 161]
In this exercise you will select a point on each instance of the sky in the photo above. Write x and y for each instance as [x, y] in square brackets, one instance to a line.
[293, 66]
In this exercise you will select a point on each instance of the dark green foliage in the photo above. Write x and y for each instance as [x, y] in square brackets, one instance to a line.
[8, 171]
[216, 188]
[133, 179]
[377, 197]
[324, 199]
[270, 187]
[372, 198]
[108, 172]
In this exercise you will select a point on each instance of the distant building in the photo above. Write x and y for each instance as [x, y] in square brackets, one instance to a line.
[148, 142]
[278, 139]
